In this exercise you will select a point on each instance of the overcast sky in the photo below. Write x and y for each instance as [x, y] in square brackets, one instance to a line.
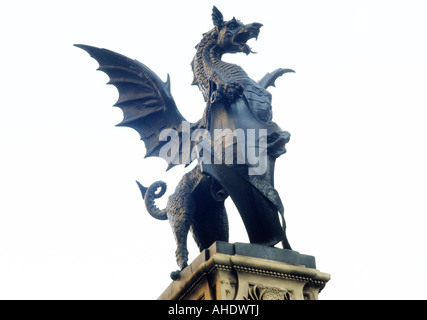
[353, 182]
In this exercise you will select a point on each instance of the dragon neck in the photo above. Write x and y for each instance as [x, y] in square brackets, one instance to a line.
[208, 66]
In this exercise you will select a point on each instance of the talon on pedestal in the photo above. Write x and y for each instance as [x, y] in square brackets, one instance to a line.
[175, 275]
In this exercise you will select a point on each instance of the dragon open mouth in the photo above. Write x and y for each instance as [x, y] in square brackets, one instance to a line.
[250, 31]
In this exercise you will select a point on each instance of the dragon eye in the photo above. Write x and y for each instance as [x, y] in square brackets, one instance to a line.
[232, 26]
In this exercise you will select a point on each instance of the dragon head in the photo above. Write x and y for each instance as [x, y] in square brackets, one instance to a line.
[232, 35]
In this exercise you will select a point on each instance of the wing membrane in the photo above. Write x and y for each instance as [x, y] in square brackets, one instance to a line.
[146, 101]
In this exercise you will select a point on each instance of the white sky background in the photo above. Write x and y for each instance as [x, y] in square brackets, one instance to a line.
[354, 181]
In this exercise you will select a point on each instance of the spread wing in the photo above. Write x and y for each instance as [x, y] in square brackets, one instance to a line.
[270, 78]
[146, 102]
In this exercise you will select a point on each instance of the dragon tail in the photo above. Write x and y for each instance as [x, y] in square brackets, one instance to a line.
[149, 195]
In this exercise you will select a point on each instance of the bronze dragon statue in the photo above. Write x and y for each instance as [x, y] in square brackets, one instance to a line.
[233, 102]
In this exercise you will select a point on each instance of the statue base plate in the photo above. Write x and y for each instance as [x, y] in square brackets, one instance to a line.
[243, 271]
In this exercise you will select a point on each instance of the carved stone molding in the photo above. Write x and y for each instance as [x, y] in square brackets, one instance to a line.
[260, 292]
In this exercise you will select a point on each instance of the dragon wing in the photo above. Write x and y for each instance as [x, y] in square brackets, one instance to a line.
[270, 78]
[146, 102]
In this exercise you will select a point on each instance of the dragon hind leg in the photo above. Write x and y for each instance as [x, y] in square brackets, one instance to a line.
[181, 252]
[181, 218]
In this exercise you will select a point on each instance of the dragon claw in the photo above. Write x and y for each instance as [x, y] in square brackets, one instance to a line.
[175, 275]
[227, 92]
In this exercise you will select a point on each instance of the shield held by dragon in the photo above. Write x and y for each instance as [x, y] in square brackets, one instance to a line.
[233, 103]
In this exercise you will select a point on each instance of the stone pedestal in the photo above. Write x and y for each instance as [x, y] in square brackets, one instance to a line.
[248, 272]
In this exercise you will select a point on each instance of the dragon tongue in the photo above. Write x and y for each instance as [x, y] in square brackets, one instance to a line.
[246, 49]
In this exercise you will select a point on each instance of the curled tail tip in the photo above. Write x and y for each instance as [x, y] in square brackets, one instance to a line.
[142, 189]
[149, 195]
